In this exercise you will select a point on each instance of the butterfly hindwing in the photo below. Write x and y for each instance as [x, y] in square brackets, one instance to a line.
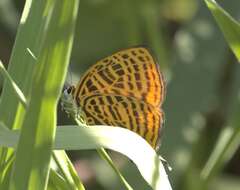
[128, 112]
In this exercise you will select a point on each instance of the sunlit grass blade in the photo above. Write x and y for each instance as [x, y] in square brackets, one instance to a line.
[226, 146]
[95, 137]
[20, 68]
[67, 170]
[56, 182]
[104, 155]
[17, 90]
[229, 26]
[133, 146]
[32, 163]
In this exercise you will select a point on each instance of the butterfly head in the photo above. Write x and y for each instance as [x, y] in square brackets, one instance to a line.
[67, 100]
[68, 93]
[70, 106]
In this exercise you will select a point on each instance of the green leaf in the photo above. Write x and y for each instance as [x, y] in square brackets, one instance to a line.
[104, 155]
[16, 89]
[114, 138]
[229, 26]
[67, 170]
[57, 20]
[226, 146]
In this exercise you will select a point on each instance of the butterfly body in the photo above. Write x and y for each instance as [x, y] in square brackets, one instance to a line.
[125, 89]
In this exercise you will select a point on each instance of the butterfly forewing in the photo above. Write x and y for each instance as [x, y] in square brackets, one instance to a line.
[131, 72]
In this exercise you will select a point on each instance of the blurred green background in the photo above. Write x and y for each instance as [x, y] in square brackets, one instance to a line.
[201, 72]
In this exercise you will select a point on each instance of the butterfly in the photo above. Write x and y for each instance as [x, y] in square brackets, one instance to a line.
[125, 89]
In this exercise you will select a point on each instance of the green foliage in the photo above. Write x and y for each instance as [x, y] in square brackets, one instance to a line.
[94, 137]
[229, 26]
[38, 64]
[229, 140]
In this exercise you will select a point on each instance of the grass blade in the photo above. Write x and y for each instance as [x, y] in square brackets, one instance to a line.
[95, 137]
[16, 89]
[227, 144]
[36, 139]
[229, 26]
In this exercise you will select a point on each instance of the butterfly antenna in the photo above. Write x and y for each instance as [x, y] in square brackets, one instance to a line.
[69, 81]
[70, 73]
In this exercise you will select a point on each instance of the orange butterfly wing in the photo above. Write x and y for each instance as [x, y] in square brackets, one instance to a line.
[125, 89]
[132, 72]
[127, 112]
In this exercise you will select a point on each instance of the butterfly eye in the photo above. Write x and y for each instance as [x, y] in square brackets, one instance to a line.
[69, 90]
